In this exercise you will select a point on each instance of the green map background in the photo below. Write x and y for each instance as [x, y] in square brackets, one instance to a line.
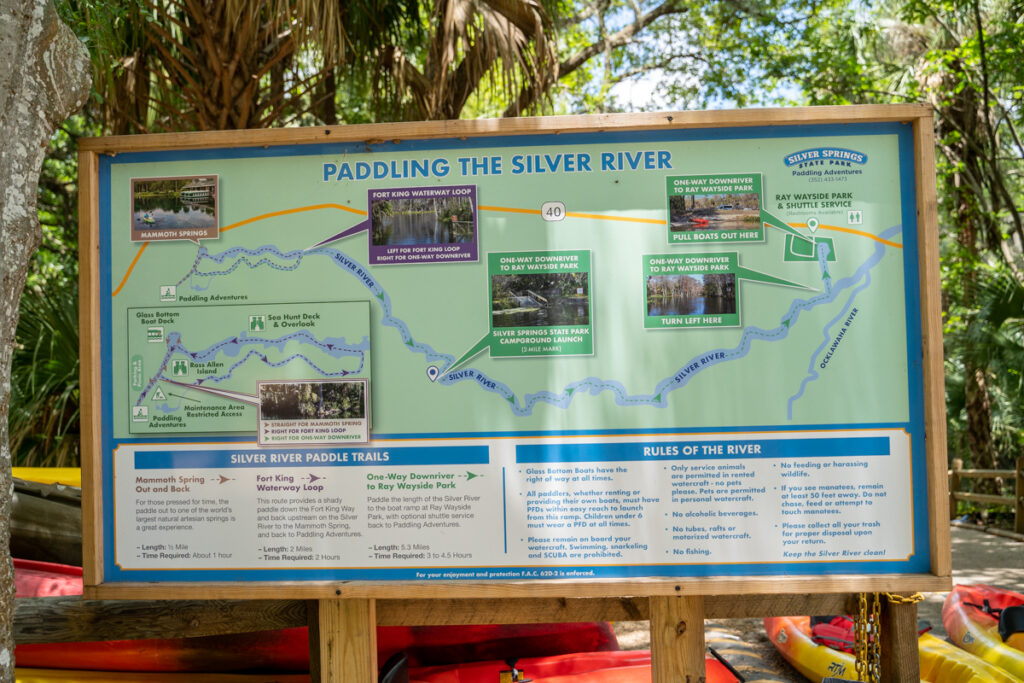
[446, 306]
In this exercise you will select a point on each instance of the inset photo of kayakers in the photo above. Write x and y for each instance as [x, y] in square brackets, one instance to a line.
[178, 208]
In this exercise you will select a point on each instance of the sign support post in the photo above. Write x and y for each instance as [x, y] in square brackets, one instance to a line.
[900, 662]
[343, 641]
[677, 638]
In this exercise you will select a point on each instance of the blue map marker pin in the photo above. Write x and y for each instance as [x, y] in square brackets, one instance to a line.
[433, 372]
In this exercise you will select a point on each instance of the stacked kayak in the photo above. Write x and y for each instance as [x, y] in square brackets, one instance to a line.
[988, 622]
[940, 662]
[73, 676]
[584, 667]
[66, 476]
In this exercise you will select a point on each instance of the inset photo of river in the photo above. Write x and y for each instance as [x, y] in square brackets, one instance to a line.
[704, 294]
[540, 299]
[421, 220]
[183, 207]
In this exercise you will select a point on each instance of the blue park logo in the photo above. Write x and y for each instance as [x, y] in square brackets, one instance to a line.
[820, 156]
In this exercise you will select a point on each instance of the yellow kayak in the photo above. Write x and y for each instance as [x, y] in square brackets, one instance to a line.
[971, 617]
[68, 476]
[940, 662]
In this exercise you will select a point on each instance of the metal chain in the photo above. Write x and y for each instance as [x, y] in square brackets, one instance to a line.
[860, 637]
[867, 638]
[875, 641]
[904, 599]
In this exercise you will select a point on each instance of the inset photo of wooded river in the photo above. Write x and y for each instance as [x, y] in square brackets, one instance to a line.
[422, 220]
[704, 294]
[540, 299]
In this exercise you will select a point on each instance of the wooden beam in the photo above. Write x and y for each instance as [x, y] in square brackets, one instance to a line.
[70, 619]
[1018, 492]
[347, 641]
[386, 133]
[933, 369]
[91, 397]
[677, 640]
[982, 474]
[316, 590]
[985, 498]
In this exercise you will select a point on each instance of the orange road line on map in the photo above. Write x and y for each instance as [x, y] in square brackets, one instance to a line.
[573, 214]
[505, 209]
[274, 214]
[131, 267]
[508, 209]
[859, 233]
[314, 207]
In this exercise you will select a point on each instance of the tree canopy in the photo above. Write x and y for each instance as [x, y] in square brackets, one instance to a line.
[163, 65]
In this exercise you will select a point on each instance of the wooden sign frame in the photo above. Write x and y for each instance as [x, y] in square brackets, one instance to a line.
[360, 595]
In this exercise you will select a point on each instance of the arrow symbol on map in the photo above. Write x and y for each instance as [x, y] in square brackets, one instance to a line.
[775, 222]
[757, 276]
[223, 393]
[470, 475]
[365, 225]
[224, 479]
[313, 477]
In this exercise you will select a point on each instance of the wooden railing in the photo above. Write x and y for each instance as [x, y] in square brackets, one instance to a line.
[957, 475]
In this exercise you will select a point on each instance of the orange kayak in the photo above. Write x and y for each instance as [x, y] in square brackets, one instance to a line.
[971, 615]
[626, 666]
[940, 661]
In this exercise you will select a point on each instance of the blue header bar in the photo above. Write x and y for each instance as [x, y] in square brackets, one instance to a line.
[844, 447]
[313, 457]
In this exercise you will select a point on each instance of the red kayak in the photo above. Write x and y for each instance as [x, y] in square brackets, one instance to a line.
[287, 650]
[45, 579]
[988, 622]
[627, 666]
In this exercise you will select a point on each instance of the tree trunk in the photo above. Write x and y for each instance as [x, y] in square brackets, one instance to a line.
[44, 79]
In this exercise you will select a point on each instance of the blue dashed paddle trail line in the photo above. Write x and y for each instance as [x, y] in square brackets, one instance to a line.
[591, 385]
[862, 273]
[335, 347]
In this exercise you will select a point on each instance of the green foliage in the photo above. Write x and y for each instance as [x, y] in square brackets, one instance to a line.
[991, 337]
[383, 60]
[56, 263]
[44, 410]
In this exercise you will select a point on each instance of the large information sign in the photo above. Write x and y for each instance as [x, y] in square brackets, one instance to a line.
[568, 349]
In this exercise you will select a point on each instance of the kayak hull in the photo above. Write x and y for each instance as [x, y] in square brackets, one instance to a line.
[625, 666]
[977, 632]
[940, 662]
[584, 667]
